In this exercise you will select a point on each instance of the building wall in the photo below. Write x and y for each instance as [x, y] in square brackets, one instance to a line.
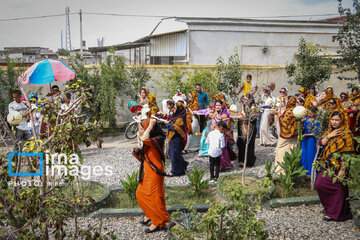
[207, 46]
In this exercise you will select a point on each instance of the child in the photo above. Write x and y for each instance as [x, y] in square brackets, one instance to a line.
[308, 146]
[248, 86]
[216, 143]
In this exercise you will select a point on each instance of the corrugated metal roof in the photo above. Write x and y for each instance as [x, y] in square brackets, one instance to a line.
[169, 45]
[261, 28]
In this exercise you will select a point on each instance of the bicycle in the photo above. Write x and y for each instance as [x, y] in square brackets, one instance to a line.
[131, 130]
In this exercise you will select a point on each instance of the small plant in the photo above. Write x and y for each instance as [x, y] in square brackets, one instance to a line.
[270, 170]
[186, 222]
[195, 178]
[130, 186]
[292, 169]
[234, 220]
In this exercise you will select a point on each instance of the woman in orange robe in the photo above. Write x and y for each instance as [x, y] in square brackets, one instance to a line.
[150, 193]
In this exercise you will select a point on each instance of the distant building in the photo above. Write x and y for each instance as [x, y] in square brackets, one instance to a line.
[27, 55]
[88, 57]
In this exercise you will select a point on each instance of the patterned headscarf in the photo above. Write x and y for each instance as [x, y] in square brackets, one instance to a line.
[178, 120]
[288, 124]
[222, 116]
[193, 105]
[152, 101]
[343, 144]
[339, 108]
[353, 97]
[222, 98]
[329, 95]
[308, 97]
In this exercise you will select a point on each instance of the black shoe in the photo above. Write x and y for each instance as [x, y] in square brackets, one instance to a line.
[154, 230]
[323, 211]
[328, 219]
[145, 222]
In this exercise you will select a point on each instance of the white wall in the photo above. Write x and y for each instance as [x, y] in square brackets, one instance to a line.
[207, 46]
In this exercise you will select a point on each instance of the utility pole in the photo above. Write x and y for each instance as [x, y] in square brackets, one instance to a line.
[62, 42]
[68, 36]
[81, 36]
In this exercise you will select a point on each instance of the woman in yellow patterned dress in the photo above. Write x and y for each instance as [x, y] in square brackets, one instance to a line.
[288, 133]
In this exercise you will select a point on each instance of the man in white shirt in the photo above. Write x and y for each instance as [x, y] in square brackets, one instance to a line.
[22, 130]
[216, 142]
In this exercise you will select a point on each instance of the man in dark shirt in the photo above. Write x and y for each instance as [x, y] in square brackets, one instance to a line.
[204, 103]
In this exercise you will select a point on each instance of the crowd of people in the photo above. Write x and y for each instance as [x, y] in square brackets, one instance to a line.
[195, 125]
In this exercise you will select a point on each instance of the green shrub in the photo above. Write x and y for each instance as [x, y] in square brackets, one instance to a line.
[270, 170]
[196, 182]
[292, 170]
[130, 186]
[223, 221]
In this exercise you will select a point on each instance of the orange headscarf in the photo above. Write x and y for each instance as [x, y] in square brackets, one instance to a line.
[288, 124]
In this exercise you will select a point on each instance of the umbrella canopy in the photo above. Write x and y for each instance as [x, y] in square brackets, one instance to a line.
[46, 71]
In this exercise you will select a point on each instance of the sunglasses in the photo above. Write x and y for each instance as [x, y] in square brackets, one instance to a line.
[282, 92]
[332, 103]
[342, 96]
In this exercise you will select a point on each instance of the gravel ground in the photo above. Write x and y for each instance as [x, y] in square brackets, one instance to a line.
[122, 162]
[305, 222]
[300, 222]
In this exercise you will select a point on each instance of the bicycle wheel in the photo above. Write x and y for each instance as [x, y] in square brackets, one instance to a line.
[131, 130]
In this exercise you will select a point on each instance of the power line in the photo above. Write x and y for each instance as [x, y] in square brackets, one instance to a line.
[25, 18]
[127, 15]
[152, 16]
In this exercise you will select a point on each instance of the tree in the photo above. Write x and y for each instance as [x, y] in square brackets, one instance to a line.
[310, 67]
[348, 37]
[171, 81]
[137, 76]
[106, 83]
[8, 82]
[229, 74]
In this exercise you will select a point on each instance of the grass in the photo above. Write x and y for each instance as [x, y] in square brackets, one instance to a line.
[252, 184]
[173, 196]
[301, 188]
[87, 189]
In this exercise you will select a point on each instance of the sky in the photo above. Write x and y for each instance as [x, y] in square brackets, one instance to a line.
[46, 32]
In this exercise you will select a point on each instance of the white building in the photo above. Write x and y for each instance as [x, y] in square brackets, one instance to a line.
[259, 42]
